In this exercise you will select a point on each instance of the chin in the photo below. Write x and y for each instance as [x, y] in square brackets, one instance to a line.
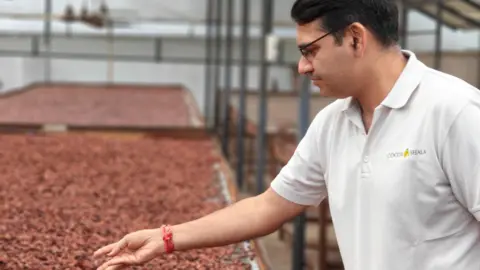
[326, 91]
[319, 84]
[331, 94]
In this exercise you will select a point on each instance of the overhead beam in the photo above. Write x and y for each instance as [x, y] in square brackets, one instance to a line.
[472, 3]
[420, 6]
[461, 15]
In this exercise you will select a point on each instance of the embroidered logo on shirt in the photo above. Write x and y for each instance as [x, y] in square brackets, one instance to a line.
[407, 153]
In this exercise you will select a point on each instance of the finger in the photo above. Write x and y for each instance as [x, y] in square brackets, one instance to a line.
[117, 267]
[120, 245]
[119, 261]
[107, 266]
[104, 250]
[112, 267]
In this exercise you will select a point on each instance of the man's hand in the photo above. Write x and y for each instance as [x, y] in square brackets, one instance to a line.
[134, 249]
[247, 219]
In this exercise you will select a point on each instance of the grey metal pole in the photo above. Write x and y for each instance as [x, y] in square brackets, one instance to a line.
[404, 41]
[478, 62]
[228, 80]
[267, 22]
[299, 223]
[47, 40]
[438, 36]
[243, 89]
[218, 60]
[208, 64]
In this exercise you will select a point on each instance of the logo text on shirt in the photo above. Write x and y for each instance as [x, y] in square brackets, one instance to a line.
[407, 153]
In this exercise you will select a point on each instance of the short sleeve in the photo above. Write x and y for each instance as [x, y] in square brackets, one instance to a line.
[460, 158]
[301, 180]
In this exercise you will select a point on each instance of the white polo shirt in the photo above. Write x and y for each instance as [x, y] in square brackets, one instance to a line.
[405, 196]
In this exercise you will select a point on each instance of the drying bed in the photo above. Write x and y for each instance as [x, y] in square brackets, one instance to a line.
[110, 106]
[62, 196]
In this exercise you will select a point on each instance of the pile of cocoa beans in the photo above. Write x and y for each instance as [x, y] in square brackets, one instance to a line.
[97, 106]
[64, 196]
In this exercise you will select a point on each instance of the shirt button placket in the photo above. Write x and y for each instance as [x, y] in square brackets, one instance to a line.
[365, 167]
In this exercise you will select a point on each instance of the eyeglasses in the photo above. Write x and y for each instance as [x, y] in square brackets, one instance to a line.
[309, 54]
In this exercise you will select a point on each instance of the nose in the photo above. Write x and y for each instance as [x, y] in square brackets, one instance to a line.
[304, 66]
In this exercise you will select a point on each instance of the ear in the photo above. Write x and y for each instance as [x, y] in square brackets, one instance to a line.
[355, 36]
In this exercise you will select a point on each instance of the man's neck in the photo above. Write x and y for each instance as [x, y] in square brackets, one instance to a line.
[383, 75]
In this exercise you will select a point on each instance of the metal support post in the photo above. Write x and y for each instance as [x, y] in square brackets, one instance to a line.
[228, 81]
[478, 62]
[299, 227]
[404, 27]
[35, 46]
[47, 35]
[438, 36]
[218, 61]
[158, 50]
[267, 21]
[208, 104]
[243, 90]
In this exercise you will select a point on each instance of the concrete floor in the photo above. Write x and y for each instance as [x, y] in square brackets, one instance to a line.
[277, 253]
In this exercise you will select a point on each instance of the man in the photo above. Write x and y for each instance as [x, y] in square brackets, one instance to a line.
[398, 154]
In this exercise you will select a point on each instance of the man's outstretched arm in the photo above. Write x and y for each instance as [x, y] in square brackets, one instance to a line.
[244, 220]
[247, 219]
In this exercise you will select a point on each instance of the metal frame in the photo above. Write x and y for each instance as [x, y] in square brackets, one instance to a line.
[478, 61]
[243, 88]
[47, 38]
[404, 26]
[158, 58]
[419, 6]
[267, 20]
[438, 35]
[298, 252]
[208, 65]
[217, 59]
[439, 23]
[225, 102]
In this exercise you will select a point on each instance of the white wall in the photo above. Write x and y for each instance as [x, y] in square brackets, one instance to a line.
[33, 70]
[11, 70]
[18, 71]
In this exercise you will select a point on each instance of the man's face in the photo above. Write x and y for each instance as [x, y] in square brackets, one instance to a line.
[330, 66]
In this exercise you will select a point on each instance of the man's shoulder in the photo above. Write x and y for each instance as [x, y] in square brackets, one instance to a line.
[445, 96]
[443, 87]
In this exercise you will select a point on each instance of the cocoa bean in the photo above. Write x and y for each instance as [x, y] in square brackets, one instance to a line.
[96, 197]
[85, 105]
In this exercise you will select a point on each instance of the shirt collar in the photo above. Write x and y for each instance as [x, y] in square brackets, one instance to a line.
[404, 87]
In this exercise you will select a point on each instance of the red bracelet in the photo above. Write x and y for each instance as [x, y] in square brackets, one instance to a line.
[168, 239]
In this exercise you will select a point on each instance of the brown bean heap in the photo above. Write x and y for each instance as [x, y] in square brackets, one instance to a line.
[84, 105]
[64, 196]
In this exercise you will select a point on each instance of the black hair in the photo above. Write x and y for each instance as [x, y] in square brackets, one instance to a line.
[379, 16]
